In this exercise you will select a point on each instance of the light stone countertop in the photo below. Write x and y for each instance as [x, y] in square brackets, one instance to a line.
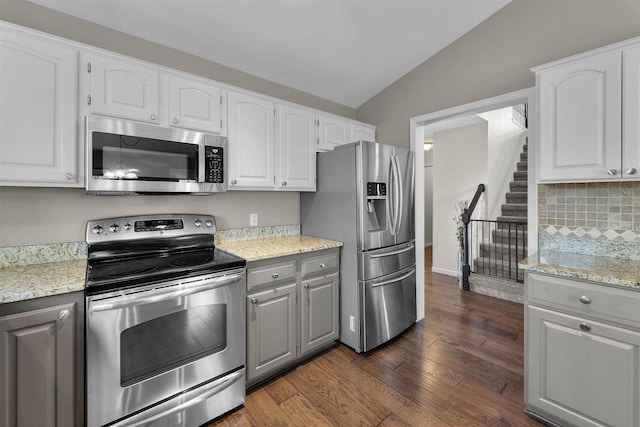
[23, 282]
[273, 247]
[41, 280]
[608, 270]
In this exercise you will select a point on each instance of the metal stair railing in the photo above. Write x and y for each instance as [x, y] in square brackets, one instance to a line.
[466, 218]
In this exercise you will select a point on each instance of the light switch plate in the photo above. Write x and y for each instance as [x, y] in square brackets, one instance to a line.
[253, 219]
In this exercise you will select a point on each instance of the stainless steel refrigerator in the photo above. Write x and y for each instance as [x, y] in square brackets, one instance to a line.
[365, 198]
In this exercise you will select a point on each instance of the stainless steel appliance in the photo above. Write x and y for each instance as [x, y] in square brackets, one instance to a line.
[364, 198]
[165, 322]
[125, 157]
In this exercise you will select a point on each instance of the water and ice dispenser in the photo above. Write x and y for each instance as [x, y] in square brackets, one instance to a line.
[376, 206]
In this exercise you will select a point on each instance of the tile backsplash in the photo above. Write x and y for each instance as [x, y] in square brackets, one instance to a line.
[601, 218]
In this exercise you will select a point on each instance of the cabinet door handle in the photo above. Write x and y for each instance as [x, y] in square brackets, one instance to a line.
[234, 182]
[631, 171]
[322, 265]
[64, 314]
[275, 275]
[585, 299]
[69, 176]
[153, 116]
[585, 326]
[306, 286]
[612, 172]
[284, 183]
[175, 120]
[254, 300]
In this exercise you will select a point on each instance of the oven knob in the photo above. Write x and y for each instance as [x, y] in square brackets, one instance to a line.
[97, 229]
[114, 228]
[209, 223]
[197, 223]
[126, 226]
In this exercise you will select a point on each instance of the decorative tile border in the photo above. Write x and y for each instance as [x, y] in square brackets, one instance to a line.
[592, 233]
[257, 233]
[15, 256]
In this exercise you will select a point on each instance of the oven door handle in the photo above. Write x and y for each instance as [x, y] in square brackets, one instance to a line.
[158, 295]
[202, 395]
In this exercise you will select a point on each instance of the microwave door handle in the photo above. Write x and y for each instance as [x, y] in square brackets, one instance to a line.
[127, 301]
[210, 389]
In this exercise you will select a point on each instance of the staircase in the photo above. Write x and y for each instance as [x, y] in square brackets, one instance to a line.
[505, 242]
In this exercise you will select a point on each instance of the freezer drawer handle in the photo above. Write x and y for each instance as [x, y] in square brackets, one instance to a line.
[398, 279]
[399, 251]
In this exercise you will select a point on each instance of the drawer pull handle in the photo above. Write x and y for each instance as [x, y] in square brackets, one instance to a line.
[585, 326]
[275, 275]
[322, 265]
[585, 299]
[612, 172]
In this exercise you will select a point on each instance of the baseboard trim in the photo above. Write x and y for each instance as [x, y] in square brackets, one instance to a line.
[444, 271]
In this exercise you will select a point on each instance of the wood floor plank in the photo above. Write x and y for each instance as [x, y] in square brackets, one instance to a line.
[460, 366]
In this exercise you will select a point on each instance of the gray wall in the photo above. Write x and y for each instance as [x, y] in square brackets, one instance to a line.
[494, 58]
[48, 215]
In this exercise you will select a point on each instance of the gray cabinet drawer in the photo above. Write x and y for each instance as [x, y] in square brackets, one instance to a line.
[586, 299]
[319, 264]
[270, 274]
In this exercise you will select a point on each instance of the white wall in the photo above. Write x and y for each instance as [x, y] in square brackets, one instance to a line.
[504, 146]
[31, 216]
[459, 161]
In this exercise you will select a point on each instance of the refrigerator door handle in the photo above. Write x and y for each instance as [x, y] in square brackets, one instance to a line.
[394, 280]
[399, 196]
[400, 251]
[391, 199]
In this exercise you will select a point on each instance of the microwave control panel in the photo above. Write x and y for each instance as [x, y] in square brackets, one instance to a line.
[214, 165]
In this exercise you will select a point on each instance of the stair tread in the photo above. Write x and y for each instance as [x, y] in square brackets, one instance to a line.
[510, 218]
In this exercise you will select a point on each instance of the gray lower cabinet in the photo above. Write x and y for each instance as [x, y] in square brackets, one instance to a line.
[582, 359]
[292, 310]
[41, 357]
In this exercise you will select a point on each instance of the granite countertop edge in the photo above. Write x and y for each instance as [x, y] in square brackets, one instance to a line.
[619, 272]
[30, 281]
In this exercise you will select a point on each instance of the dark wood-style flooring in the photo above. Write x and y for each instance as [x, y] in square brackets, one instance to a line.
[461, 366]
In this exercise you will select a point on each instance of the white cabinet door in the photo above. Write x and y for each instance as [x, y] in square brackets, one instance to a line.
[124, 89]
[296, 149]
[631, 111]
[333, 132]
[251, 142]
[581, 372]
[360, 132]
[580, 114]
[194, 105]
[38, 111]
[319, 308]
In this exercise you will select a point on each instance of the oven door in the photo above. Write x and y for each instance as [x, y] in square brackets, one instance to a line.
[149, 343]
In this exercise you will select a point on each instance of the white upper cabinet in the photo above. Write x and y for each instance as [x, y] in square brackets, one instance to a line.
[194, 105]
[334, 131]
[588, 116]
[124, 89]
[296, 149]
[631, 111]
[251, 133]
[362, 132]
[38, 111]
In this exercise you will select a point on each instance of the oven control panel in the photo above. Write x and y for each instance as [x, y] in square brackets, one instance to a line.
[148, 226]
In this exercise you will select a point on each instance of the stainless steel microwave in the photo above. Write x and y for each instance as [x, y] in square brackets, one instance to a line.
[125, 157]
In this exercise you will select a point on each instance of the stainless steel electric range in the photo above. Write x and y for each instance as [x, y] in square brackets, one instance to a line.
[165, 309]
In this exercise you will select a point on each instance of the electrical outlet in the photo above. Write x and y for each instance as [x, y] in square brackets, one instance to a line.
[253, 220]
[352, 323]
